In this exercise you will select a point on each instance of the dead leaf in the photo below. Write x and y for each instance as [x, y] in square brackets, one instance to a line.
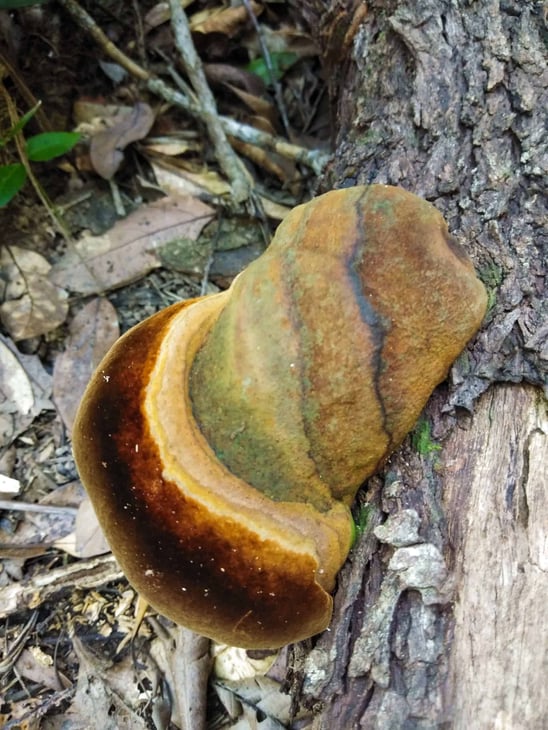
[263, 705]
[9, 487]
[106, 148]
[88, 538]
[105, 692]
[91, 333]
[50, 520]
[128, 251]
[176, 181]
[234, 664]
[171, 147]
[156, 16]
[290, 39]
[32, 305]
[91, 117]
[37, 666]
[224, 73]
[227, 21]
[25, 388]
[260, 123]
[274, 210]
[285, 170]
[260, 106]
[183, 659]
[22, 715]
[22, 552]
[114, 71]
[159, 14]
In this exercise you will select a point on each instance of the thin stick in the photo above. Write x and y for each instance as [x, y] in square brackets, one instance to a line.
[39, 190]
[86, 22]
[33, 591]
[268, 63]
[315, 159]
[14, 506]
[229, 161]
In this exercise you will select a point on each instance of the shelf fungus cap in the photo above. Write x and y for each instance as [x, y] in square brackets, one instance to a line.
[203, 547]
[222, 440]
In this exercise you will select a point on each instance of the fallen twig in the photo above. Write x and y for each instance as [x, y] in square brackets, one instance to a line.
[41, 587]
[13, 505]
[13, 651]
[39, 190]
[229, 161]
[315, 159]
[268, 63]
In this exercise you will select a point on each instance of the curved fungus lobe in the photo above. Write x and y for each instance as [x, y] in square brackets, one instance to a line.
[223, 439]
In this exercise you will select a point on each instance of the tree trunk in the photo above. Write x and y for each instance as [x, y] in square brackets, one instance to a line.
[439, 612]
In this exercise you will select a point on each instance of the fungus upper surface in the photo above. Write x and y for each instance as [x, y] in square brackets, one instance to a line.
[222, 440]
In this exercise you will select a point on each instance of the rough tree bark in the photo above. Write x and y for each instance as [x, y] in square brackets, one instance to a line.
[440, 611]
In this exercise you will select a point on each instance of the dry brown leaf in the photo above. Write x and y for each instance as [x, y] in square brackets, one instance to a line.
[110, 707]
[263, 704]
[286, 39]
[227, 21]
[25, 388]
[106, 148]
[159, 14]
[261, 107]
[22, 715]
[235, 664]
[175, 180]
[183, 659]
[20, 553]
[128, 251]
[171, 147]
[262, 124]
[52, 523]
[32, 305]
[88, 538]
[39, 667]
[224, 73]
[91, 117]
[293, 40]
[274, 210]
[91, 333]
[285, 170]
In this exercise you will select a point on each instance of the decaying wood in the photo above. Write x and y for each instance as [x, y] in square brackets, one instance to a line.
[439, 611]
[496, 501]
[32, 592]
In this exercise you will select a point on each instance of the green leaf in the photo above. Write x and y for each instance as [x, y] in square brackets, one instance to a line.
[281, 62]
[20, 124]
[46, 146]
[12, 179]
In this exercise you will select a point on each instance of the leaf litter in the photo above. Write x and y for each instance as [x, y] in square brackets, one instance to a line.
[127, 252]
[66, 337]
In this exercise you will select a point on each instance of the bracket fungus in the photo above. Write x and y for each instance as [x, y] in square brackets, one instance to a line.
[222, 440]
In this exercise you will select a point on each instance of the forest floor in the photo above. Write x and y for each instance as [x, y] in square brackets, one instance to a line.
[77, 270]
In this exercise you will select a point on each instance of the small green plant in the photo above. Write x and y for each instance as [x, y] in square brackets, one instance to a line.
[38, 148]
[421, 438]
[492, 276]
[280, 62]
[360, 522]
